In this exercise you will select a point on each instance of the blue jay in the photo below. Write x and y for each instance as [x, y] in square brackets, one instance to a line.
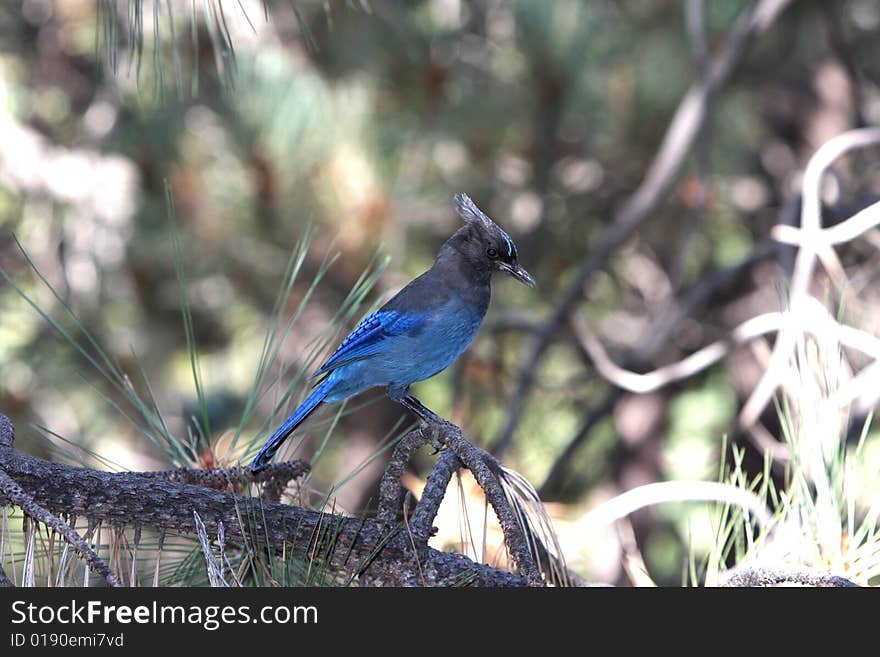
[421, 330]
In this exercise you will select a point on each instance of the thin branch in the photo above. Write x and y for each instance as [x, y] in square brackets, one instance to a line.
[435, 489]
[813, 318]
[673, 491]
[699, 295]
[489, 474]
[695, 24]
[812, 246]
[12, 493]
[391, 492]
[592, 416]
[485, 469]
[845, 231]
[683, 369]
[523, 500]
[651, 341]
[848, 229]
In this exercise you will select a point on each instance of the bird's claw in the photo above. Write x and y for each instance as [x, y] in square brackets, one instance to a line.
[432, 432]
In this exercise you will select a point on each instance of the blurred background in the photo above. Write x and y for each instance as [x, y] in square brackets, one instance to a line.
[352, 124]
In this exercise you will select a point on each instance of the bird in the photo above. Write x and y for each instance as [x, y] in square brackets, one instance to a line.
[420, 331]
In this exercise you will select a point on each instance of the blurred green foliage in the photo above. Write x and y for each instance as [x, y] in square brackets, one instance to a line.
[365, 118]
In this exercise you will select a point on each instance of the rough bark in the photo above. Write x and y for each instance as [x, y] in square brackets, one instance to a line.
[380, 554]
[764, 576]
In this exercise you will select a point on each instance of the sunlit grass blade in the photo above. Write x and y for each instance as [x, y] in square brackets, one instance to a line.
[318, 345]
[175, 51]
[388, 441]
[75, 452]
[151, 424]
[271, 345]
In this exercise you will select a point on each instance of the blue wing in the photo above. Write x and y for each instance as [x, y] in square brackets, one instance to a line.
[370, 334]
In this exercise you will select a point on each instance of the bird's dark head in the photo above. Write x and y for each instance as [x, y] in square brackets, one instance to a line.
[485, 244]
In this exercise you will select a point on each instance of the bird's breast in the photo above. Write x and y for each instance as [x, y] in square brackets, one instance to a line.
[419, 355]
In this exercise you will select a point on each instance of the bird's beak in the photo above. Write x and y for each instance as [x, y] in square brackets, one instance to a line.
[518, 273]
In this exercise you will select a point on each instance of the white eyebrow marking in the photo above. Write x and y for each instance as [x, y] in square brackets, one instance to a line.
[509, 244]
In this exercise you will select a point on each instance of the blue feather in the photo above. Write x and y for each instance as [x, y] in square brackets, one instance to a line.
[261, 460]
[369, 335]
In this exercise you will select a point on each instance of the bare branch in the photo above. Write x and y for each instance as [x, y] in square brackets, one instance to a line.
[674, 491]
[694, 11]
[845, 231]
[812, 246]
[12, 493]
[813, 318]
[391, 493]
[685, 368]
[651, 342]
[485, 469]
[433, 493]
[590, 419]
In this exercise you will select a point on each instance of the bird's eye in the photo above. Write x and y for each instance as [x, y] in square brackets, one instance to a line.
[492, 253]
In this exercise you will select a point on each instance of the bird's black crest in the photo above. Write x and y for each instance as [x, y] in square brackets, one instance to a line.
[469, 211]
[471, 214]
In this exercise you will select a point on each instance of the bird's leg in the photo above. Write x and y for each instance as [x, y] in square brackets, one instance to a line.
[430, 419]
[425, 413]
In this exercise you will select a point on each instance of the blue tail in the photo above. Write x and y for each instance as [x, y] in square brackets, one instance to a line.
[261, 460]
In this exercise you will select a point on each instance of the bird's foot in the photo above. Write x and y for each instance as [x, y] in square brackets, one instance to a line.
[431, 425]
[432, 432]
